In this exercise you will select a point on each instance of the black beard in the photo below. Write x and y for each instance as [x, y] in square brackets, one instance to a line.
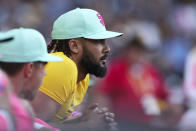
[88, 62]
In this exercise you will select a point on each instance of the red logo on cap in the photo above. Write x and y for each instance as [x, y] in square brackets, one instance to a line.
[101, 19]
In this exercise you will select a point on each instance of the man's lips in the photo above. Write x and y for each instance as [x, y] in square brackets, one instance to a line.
[104, 61]
[104, 57]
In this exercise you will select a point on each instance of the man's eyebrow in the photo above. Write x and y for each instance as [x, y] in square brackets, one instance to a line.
[6, 39]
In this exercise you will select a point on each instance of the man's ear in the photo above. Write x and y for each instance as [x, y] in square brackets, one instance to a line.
[75, 46]
[28, 69]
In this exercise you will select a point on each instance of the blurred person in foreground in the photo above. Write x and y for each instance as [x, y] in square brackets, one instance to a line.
[24, 55]
[134, 87]
[7, 122]
[79, 37]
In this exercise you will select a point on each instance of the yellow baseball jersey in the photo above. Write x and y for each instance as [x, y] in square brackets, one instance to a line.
[60, 84]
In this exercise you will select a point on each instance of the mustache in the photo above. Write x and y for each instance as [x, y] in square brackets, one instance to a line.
[104, 57]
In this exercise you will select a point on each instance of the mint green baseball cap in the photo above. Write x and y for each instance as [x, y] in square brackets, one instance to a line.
[24, 45]
[85, 23]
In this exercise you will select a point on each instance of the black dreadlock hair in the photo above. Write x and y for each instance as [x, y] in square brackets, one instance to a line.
[60, 46]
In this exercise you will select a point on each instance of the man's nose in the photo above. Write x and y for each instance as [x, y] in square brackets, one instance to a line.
[106, 48]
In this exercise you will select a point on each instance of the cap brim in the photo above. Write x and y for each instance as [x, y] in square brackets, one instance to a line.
[50, 58]
[104, 35]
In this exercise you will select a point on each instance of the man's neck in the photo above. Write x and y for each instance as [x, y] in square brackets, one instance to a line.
[16, 83]
[81, 75]
[81, 71]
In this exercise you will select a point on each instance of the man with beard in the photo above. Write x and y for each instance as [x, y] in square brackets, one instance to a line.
[78, 36]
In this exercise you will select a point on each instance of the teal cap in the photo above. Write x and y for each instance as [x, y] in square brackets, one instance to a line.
[79, 23]
[24, 45]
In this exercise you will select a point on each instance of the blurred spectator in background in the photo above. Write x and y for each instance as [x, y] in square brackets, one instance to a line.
[134, 86]
[187, 122]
